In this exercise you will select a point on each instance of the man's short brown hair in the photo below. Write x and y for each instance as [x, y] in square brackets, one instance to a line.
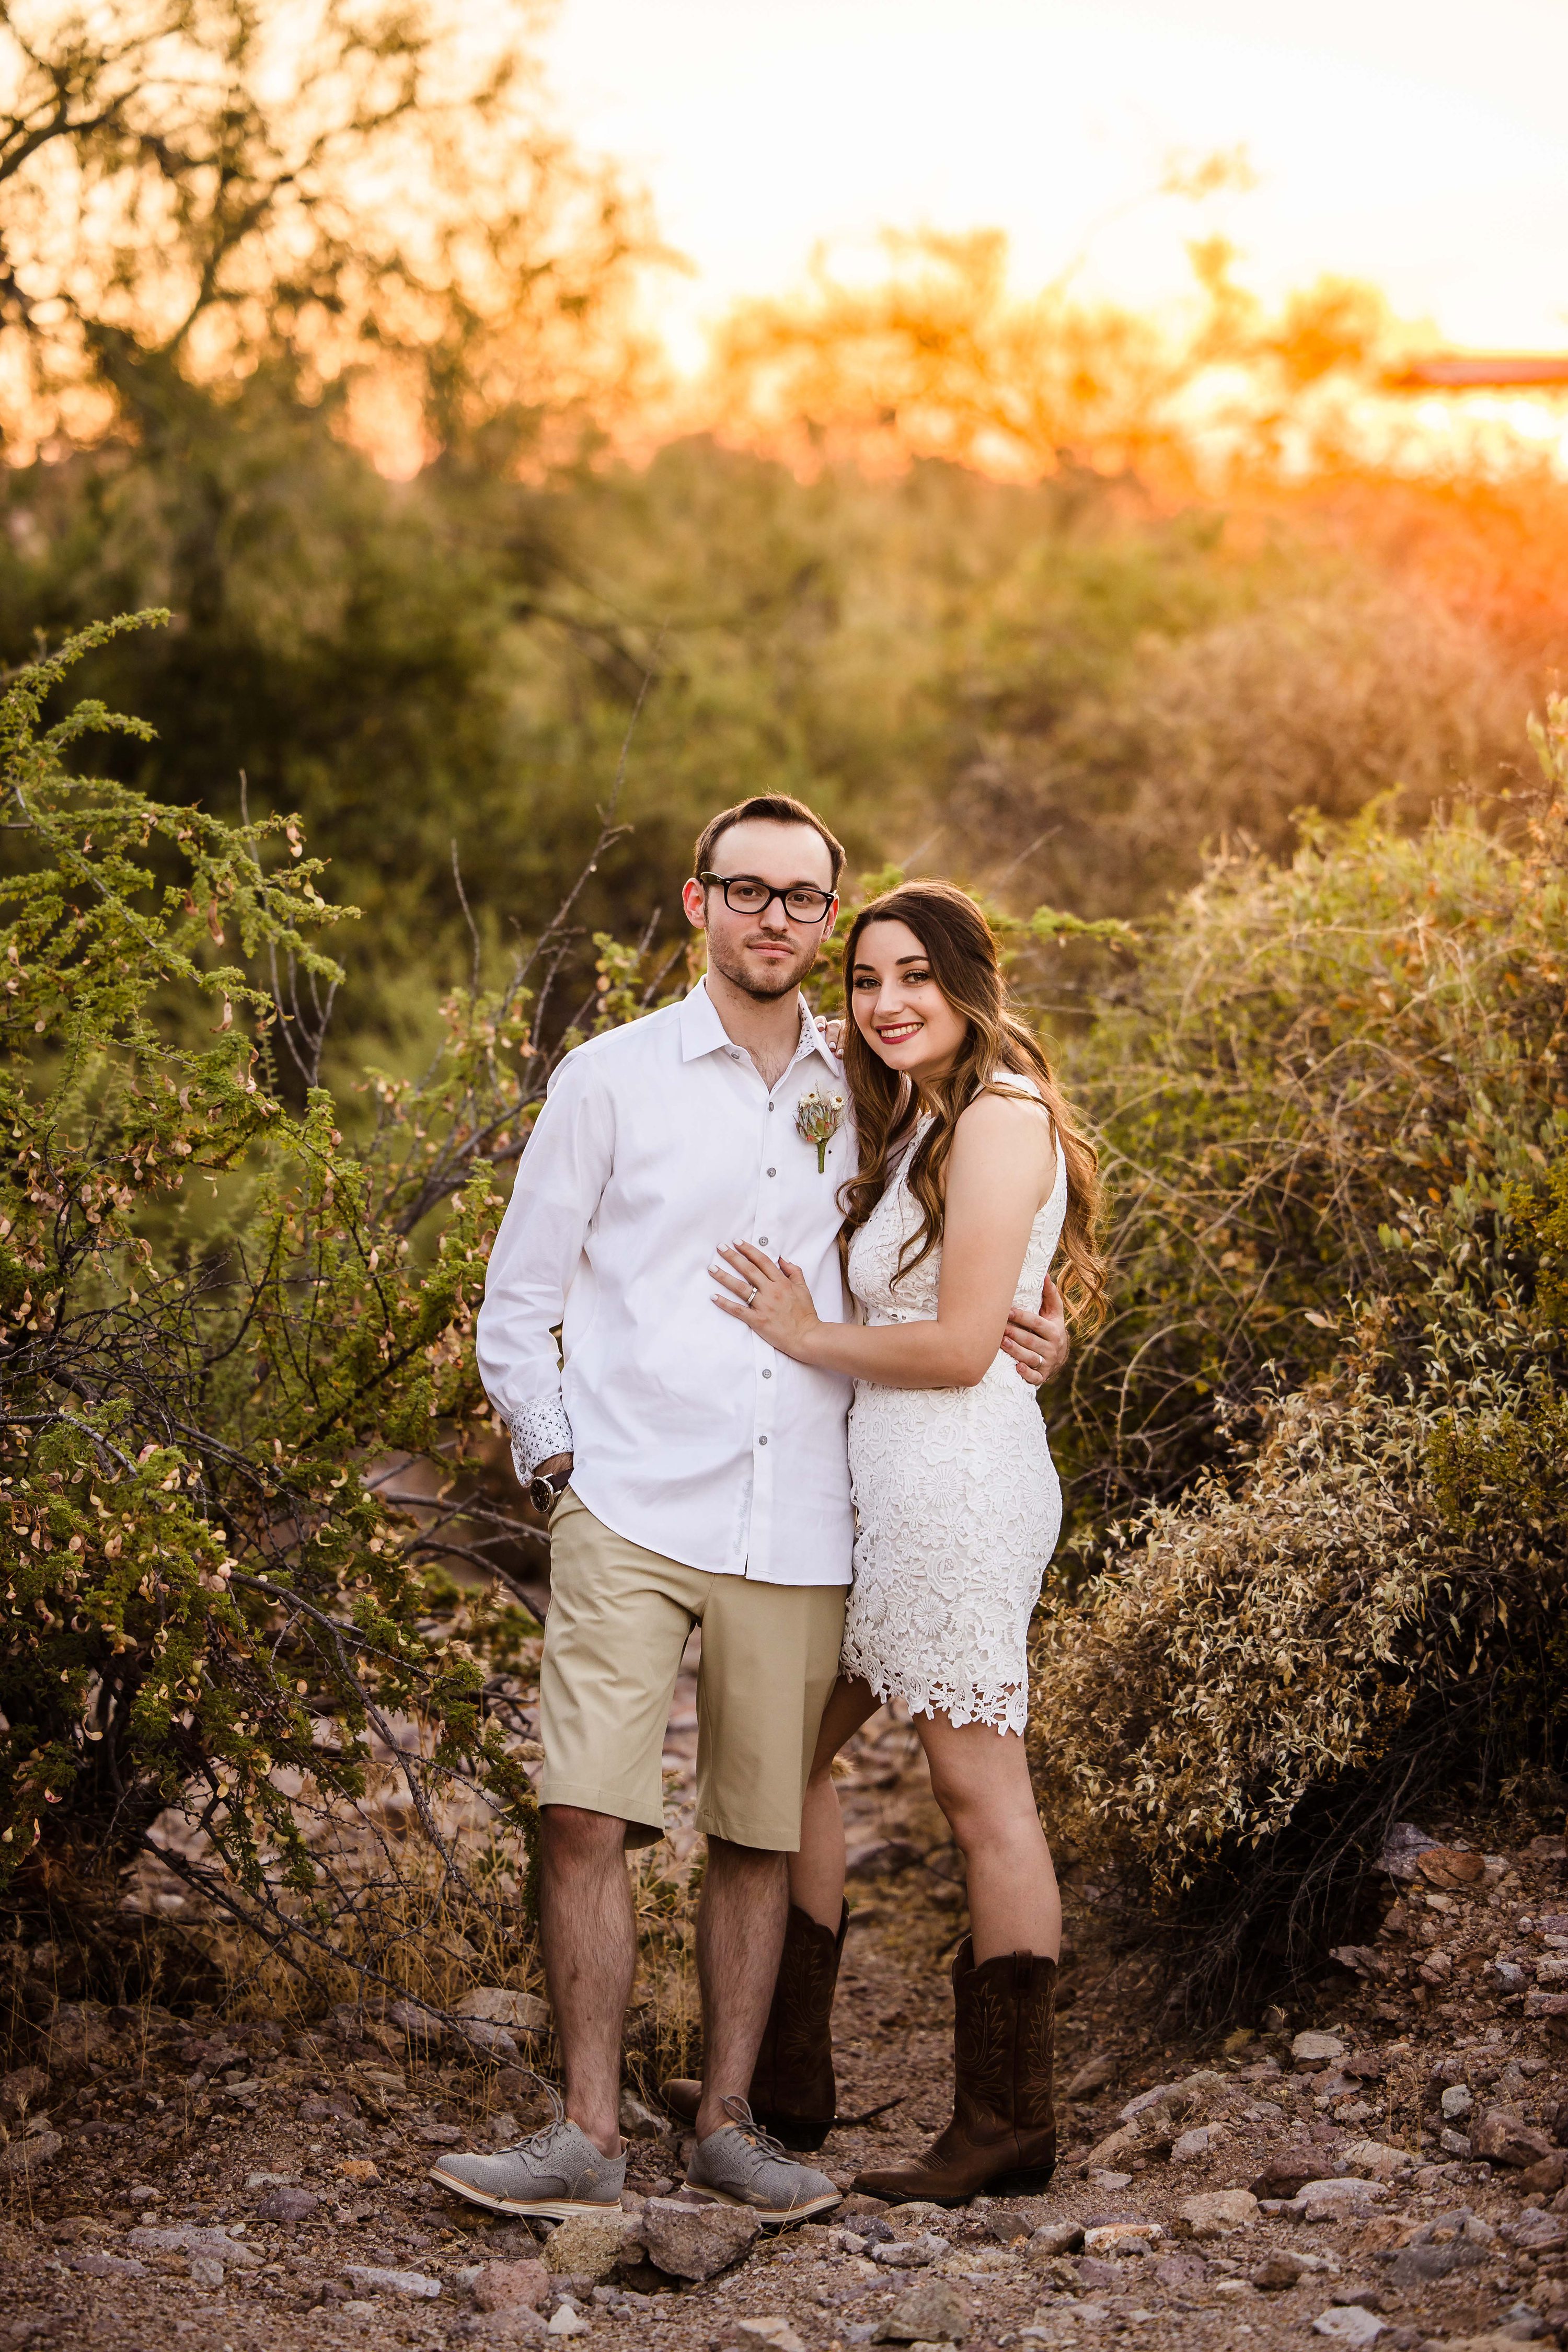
[776, 808]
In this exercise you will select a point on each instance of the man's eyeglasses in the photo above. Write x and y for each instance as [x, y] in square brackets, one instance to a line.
[746, 894]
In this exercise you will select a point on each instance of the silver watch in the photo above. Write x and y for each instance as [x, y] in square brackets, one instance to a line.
[545, 1489]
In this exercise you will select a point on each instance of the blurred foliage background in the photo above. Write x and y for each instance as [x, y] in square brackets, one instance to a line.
[330, 346]
[317, 332]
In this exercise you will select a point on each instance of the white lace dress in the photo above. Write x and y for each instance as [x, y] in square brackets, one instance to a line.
[957, 1504]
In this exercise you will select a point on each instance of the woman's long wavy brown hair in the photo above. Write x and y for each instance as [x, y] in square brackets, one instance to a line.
[958, 944]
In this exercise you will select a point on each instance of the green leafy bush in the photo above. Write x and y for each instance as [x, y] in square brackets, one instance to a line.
[240, 1423]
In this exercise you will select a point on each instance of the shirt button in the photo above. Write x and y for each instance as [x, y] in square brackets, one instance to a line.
[762, 1241]
[762, 1440]
[766, 1374]
[773, 1171]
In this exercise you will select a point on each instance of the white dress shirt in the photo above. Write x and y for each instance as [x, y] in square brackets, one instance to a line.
[657, 1143]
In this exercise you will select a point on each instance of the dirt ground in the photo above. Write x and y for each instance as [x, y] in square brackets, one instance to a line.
[1440, 2091]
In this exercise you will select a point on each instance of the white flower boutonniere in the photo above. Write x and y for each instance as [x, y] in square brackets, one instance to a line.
[818, 1118]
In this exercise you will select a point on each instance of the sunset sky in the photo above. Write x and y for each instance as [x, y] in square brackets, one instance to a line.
[1421, 144]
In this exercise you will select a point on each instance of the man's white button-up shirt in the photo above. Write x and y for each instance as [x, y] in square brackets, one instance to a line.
[657, 1143]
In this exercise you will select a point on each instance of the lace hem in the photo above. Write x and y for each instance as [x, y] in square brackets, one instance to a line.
[539, 1431]
[1005, 1708]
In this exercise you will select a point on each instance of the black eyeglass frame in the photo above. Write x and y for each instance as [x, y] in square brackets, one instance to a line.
[723, 881]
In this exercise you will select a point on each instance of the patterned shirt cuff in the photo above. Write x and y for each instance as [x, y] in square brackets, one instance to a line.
[537, 1432]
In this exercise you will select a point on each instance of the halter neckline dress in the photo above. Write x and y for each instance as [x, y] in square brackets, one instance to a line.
[957, 1502]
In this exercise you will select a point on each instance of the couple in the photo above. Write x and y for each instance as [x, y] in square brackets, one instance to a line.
[694, 1200]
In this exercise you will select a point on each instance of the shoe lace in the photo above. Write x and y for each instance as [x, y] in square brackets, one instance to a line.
[545, 2132]
[740, 2114]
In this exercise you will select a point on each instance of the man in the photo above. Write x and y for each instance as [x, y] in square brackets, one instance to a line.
[692, 1477]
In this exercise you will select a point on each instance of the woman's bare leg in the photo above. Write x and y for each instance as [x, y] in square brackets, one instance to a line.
[980, 1778]
[816, 1872]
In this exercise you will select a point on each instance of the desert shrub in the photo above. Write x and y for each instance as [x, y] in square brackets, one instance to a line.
[242, 1436]
[1305, 1064]
[1337, 1118]
[1323, 695]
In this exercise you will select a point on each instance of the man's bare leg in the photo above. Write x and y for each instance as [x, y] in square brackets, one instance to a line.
[590, 1953]
[740, 1936]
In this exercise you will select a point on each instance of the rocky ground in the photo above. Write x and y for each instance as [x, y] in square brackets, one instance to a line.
[1386, 2165]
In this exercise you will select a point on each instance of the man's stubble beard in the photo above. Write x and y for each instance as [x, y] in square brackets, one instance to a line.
[762, 993]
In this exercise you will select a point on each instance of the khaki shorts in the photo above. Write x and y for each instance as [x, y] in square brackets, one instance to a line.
[616, 1624]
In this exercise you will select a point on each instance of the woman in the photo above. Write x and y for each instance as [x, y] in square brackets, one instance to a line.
[971, 1170]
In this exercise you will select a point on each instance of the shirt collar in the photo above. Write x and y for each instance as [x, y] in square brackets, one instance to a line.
[702, 1032]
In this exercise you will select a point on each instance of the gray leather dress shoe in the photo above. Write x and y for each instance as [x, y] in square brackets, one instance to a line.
[741, 2164]
[553, 2173]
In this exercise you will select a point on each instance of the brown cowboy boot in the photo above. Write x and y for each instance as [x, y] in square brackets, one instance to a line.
[792, 2093]
[1002, 2135]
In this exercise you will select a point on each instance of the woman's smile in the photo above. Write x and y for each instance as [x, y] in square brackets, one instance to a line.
[897, 1005]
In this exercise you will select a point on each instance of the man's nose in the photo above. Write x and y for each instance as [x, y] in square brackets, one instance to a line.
[773, 916]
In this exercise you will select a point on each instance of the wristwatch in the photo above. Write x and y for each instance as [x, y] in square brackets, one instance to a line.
[545, 1489]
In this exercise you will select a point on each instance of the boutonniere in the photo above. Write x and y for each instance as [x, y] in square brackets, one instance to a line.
[818, 1118]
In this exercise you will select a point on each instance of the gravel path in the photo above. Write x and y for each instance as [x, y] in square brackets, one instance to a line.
[255, 2188]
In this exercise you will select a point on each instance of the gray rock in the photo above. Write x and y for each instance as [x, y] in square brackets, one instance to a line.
[204, 2270]
[696, 2241]
[26, 2157]
[416, 2021]
[1218, 2212]
[1418, 2266]
[371, 2279]
[930, 2312]
[638, 2122]
[287, 2204]
[1374, 2159]
[519, 2327]
[1450, 2242]
[189, 2238]
[589, 2245]
[1176, 2271]
[1093, 2075]
[93, 2264]
[1056, 2238]
[1336, 2199]
[492, 2041]
[1402, 1849]
[1348, 2323]
[1315, 2050]
[524, 2012]
[1456, 2103]
[1282, 2269]
[1539, 2234]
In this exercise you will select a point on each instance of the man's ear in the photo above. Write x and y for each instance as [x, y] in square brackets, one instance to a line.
[694, 899]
